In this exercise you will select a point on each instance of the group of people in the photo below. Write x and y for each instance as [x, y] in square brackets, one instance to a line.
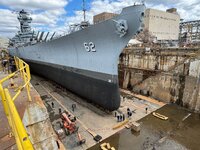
[8, 64]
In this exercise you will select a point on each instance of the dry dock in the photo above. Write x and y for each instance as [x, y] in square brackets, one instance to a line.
[39, 114]
[42, 118]
[89, 116]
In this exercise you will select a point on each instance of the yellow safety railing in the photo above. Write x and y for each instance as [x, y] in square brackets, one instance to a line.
[22, 140]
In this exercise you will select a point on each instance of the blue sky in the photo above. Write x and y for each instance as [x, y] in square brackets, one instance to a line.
[75, 5]
[57, 15]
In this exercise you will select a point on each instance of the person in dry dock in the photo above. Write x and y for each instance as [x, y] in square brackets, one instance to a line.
[146, 110]
[73, 107]
[12, 66]
[4, 65]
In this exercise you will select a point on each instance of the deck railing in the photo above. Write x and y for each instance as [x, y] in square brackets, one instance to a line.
[18, 130]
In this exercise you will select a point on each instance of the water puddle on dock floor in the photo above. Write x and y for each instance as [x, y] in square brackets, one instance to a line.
[181, 131]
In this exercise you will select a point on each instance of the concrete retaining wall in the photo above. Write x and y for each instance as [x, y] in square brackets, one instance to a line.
[171, 76]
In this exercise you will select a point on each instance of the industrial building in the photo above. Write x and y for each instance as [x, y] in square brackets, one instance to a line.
[163, 25]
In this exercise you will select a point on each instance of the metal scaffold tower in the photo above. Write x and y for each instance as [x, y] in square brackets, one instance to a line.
[190, 31]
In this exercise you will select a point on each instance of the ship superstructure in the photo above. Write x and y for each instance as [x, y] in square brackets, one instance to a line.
[25, 34]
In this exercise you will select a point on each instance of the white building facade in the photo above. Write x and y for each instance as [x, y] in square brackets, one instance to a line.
[163, 25]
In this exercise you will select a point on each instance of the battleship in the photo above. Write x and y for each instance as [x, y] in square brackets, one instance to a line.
[85, 61]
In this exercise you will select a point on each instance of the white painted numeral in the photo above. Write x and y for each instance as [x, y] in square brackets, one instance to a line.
[92, 47]
[89, 47]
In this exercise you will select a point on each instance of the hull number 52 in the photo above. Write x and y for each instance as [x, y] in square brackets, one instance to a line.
[89, 47]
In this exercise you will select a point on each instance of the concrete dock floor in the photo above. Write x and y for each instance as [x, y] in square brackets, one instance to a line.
[92, 117]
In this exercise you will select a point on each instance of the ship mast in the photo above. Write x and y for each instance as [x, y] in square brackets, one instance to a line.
[84, 24]
[84, 10]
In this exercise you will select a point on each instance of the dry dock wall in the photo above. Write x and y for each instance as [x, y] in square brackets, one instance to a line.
[169, 75]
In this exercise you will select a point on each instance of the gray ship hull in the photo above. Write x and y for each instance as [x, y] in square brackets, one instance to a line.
[90, 74]
[94, 90]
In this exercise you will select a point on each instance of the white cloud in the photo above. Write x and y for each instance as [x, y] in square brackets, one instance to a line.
[47, 13]
[34, 4]
[49, 17]
[8, 23]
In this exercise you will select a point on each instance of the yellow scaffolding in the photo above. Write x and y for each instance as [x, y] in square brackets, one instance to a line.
[22, 140]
